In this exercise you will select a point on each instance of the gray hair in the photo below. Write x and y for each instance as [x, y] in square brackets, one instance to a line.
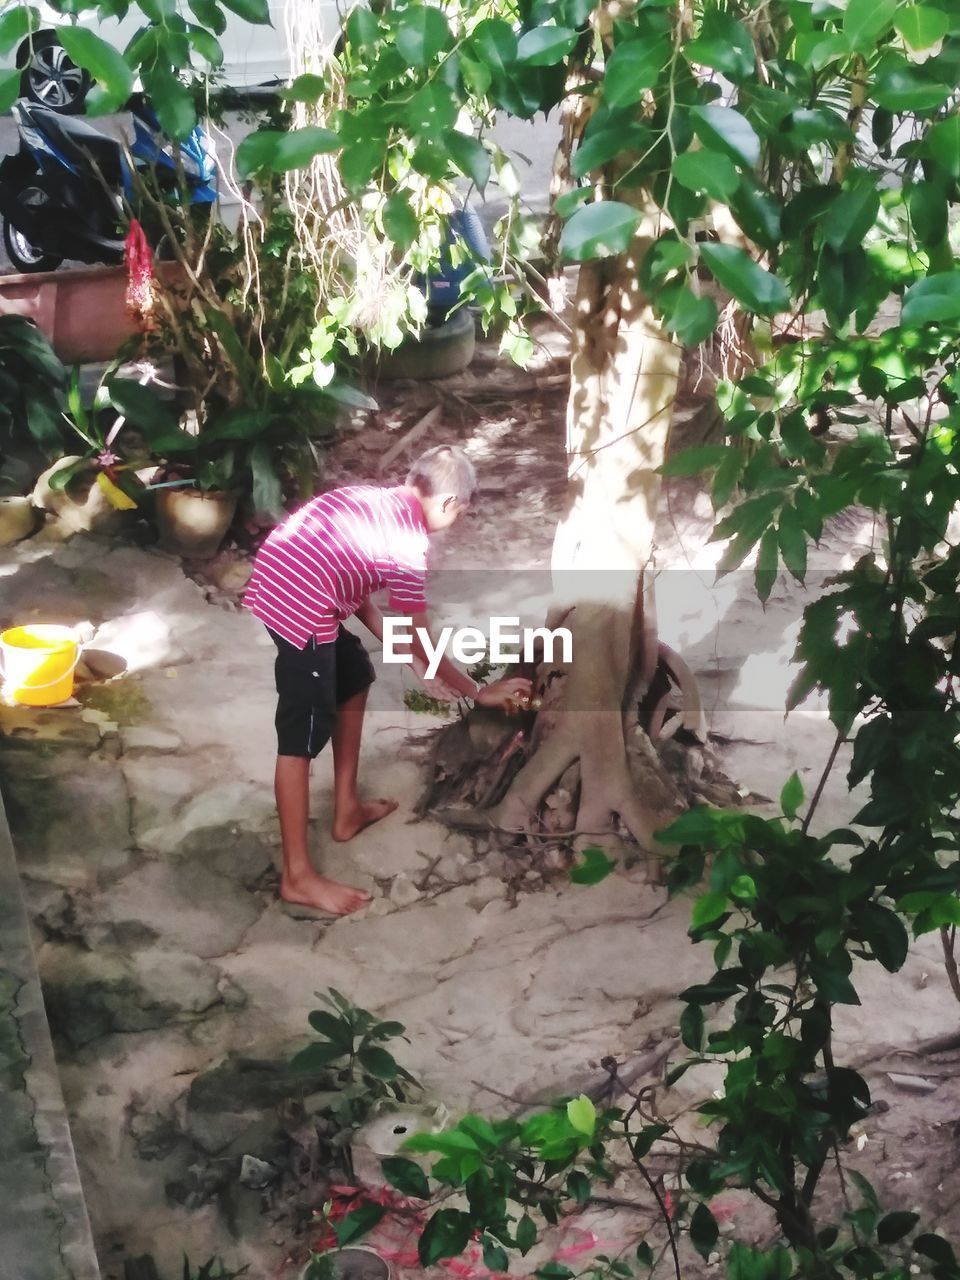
[444, 469]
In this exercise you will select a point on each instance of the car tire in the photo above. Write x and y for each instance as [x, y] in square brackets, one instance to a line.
[23, 255]
[49, 77]
[438, 352]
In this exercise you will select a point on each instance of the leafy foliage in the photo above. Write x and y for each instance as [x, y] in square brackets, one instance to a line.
[350, 1044]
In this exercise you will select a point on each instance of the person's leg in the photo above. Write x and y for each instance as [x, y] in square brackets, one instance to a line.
[305, 716]
[299, 883]
[350, 813]
[355, 675]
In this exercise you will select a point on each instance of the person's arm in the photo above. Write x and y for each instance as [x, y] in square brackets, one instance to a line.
[372, 618]
[505, 693]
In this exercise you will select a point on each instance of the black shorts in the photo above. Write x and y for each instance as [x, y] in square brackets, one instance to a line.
[311, 684]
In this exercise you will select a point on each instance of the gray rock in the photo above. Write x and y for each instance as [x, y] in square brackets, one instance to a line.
[184, 904]
[94, 994]
[82, 507]
[403, 892]
[18, 519]
[255, 1173]
[69, 815]
[142, 738]
[912, 1084]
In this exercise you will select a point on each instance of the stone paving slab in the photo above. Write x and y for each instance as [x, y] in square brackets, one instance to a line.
[44, 1230]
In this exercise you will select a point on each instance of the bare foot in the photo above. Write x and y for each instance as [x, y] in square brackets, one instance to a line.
[366, 813]
[323, 895]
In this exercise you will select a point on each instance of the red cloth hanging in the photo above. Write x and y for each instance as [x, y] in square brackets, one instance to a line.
[141, 296]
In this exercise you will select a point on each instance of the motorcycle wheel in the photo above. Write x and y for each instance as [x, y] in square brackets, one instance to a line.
[51, 79]
[26, 257]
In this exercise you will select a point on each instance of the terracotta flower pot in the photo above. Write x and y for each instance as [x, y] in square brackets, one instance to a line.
[193, 522]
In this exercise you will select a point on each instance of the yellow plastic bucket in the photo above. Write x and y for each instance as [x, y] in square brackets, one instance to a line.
[38, 664]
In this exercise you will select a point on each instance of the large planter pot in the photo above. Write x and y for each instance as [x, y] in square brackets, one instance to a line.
[436, 353]
[192, 522]
[353, 1262]
[82, 312]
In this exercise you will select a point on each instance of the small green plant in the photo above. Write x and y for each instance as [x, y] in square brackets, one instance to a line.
[207, 1272]
[425, 704]
[351, 1043]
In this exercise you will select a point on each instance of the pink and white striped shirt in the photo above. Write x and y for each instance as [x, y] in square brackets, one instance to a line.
[325, 559]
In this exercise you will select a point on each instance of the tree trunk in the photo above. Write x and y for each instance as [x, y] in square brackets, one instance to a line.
[624, 373]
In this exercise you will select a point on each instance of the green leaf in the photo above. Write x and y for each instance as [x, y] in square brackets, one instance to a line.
[280, 151]
[894, 1226]
[582, 1115]
[723, 44]
[141, 405]
[852, 214]
[599, 230]
[865, 21]
[596, 866]
[209, 15]
[708, 171]
[901, 87]
[935, 1247]
[704, 1232]
[358, 1223]
[753, 287]
[690, 462]
[446, 1234]
[250, 10]
[105, 63]
[171, 99]
[422, 33]
[791, 797]
[644, 1254]
[927, 203]
[15, 24]
[207, 46]
[267, 491]
[765, 573]
[305, 88]
[378, 1062]
[469, 155]
[578, 1186]
[793, 543]
[921, 26]
[406, 1176]
[526, 1234]
[943, 143]
[333, 1028]
[545, 46]
[933, 299]
[691, 1027]
[723, 129]
[9, 88]
[884, 931]
[399, 221]
[360, 160]
[494, 1255]
[692, 319]
[634, 67]
[494, 44]
[315, 1057]
[708, 909]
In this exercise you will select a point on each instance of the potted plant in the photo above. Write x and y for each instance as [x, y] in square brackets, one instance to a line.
[246, 429]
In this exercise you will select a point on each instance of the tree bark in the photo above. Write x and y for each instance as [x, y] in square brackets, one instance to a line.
[624, 374]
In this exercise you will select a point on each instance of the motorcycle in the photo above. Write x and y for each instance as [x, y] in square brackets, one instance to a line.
[66, 192]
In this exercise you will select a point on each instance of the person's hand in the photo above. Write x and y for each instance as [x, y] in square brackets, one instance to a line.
[436, 688]
[509, 694]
